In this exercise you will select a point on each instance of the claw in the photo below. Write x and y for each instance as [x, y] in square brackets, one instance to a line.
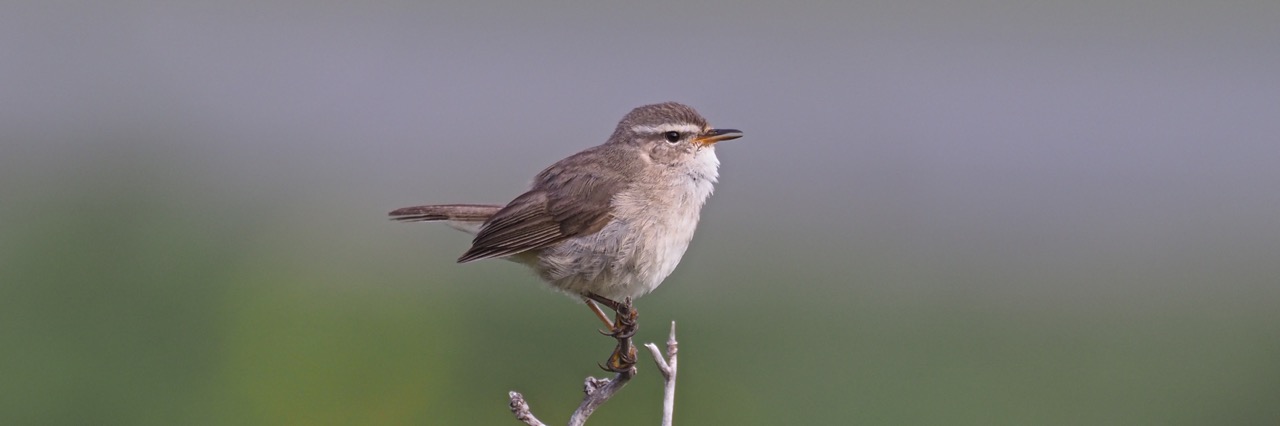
[625, 332]
[622, 328]
[620, 362]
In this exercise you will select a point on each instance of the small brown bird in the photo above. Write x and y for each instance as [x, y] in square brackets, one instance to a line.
[609, 223]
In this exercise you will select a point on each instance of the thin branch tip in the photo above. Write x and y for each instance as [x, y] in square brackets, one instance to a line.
[520, 408]
[599, 391]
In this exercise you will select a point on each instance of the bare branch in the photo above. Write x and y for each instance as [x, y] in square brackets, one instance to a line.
[521, 409]
[668, 369]
[598, 392]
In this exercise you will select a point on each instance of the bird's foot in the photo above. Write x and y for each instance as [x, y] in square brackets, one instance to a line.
[623, 327]
[623, 358]
[624, 324]
[624, 320]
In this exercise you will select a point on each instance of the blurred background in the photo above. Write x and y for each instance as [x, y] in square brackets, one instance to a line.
[980, 212]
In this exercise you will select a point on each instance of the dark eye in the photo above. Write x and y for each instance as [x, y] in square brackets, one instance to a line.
[672, 137]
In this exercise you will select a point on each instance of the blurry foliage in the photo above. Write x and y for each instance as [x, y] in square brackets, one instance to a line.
[127, 301]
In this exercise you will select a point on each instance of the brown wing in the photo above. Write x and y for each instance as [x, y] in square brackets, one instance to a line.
[567, 201]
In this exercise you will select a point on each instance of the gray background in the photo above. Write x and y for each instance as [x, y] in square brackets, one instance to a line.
[982, 212]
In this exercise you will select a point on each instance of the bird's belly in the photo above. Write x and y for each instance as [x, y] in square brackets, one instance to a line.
[628, 258]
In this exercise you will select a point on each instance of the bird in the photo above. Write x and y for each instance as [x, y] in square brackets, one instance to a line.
[608, 224]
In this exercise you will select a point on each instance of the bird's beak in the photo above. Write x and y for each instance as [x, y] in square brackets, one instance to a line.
[712, 136]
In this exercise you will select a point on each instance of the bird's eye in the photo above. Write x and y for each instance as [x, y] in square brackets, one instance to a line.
[672, 137]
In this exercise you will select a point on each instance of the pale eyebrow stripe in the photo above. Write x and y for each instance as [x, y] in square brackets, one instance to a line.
[682, 128]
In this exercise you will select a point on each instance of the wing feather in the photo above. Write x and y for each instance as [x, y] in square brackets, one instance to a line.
[567, 200]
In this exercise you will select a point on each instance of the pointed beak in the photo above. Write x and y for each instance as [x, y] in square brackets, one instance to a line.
[712, 136]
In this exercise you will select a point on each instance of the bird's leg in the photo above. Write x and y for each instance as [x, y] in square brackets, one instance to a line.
[623, 327]
[625, 315]
[599, 314]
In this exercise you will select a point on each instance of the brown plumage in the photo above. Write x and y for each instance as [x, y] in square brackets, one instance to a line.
[595, 221]
[458, 212]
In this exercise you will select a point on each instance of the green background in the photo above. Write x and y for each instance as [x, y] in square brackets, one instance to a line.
[941, 213]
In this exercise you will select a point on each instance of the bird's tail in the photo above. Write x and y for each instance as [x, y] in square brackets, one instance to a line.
[464, 217]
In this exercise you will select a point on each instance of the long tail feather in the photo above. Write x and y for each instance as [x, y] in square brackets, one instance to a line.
[450, 212]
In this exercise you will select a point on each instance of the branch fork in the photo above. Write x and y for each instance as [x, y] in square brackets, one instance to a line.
[599, 391]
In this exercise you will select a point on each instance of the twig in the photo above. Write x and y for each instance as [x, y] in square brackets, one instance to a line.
[668, 369]
[521, 409]
[598, 392]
